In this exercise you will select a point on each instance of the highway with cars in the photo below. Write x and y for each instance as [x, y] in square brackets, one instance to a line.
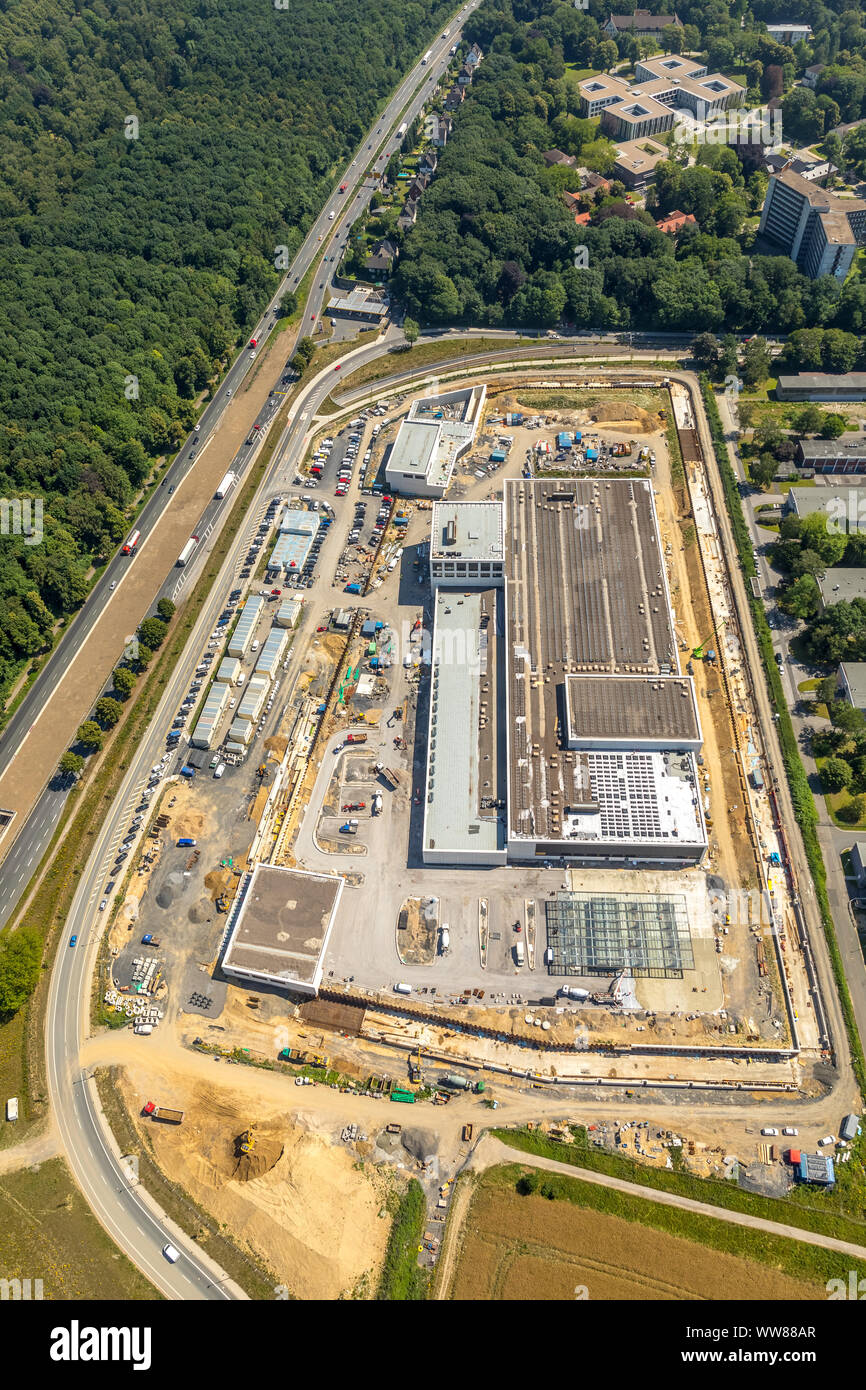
[125, 1210]
[29, 839]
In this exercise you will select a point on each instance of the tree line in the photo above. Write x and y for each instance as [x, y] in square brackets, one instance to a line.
[156, 159]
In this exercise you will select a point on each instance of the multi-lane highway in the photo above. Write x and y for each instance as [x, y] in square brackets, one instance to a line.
[29, 837]
[125, 1209]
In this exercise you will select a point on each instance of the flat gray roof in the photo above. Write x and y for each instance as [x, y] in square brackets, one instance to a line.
[586, 595]
[841, 585]
[824, 379]
[855, 675]
[479, 531]
[281, 925]
[463, 714]
[415, 447]
[656, 708]
[854, 444]
[807, 500]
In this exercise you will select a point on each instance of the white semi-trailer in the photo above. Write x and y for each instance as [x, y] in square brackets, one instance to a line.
[228, 481]
[187, 550]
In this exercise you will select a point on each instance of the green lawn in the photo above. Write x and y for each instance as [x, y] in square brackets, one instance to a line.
[50, 1233]
[835, 801]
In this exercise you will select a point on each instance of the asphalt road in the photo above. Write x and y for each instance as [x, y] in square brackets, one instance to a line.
[126, 1212]
[30, 838]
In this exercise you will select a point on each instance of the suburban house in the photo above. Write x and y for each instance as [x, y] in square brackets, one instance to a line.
[474, 56]
[811, 75]
[465, 75]
[641, 24]
[455, 97]
[419, 185]
[437, 129]
[428, 162]
[675, 221]
[554, 157]
[594, 181]
[582, 219]
[802, 162]
[407, 216]
[380, 262]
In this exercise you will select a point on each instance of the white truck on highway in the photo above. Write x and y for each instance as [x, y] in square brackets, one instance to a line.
[187, 550]
[227, 482]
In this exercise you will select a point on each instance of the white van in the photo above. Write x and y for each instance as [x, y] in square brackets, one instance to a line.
[171, 1254]
[218, 771]
[254, 646]
[518, 953]
[401, 988]
[143, 1028]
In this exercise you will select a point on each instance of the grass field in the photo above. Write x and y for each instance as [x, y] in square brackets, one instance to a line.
[49, 1233]
[571, 1240]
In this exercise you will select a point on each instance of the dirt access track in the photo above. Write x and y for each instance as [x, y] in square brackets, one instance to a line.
[35, 760]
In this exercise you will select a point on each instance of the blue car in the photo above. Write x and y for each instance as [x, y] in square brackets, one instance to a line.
[72, 940]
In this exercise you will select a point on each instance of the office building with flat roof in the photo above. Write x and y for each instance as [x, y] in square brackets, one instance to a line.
[467, 544]
[434, 435]
[817, 229]
[279, 926]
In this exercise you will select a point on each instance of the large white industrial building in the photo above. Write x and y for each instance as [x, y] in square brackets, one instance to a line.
[435, 433]
[577, 733]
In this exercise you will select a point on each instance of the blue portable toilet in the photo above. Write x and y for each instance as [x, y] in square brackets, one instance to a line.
[577, 436]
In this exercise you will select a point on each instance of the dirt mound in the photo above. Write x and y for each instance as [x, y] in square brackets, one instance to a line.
[218, 881]
[165, 896]
[255, 1155]
[201, 911]
[420, 1143]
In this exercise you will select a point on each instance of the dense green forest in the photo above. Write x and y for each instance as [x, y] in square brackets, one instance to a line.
[155, 155]
[494, 240]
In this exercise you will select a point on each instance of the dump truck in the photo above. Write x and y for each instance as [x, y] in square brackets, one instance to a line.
[149, 940]
[159, 1112]
[467, 1133]
[350, 827]
[387, 775]
[186, 841]
[356, 738]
